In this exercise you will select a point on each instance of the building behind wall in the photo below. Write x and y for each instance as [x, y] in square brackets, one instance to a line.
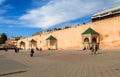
[108, 28]
[12, 43]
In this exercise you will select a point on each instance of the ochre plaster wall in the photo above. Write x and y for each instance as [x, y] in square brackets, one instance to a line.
[109, 30]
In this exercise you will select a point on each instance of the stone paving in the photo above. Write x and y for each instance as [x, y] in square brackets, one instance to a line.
[69, 63]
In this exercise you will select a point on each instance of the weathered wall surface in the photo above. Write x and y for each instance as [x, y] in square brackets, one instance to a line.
[109, 30]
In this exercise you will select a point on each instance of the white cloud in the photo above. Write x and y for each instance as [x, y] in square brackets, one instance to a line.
[1, 1]
[61, 11]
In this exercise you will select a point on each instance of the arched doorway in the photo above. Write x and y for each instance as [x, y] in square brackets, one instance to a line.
[86, 43]
[86, 40]
[22, 45]
[51, 42]
[94, 40]
[33, 44]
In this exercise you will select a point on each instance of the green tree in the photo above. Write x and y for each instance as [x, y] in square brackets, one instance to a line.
[3, 38]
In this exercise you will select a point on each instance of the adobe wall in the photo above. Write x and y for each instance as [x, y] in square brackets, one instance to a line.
[70, 38]
[109, 30]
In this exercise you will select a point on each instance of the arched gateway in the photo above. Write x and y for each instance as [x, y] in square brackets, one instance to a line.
[51, 42]
[22, 45]
[33, 44]
[89, 37]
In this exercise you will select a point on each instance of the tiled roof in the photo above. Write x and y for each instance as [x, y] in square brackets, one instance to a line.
[32, 40]
[51, 38]
[90, 31]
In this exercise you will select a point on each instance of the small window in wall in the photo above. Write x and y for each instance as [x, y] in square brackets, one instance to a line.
[40, 41]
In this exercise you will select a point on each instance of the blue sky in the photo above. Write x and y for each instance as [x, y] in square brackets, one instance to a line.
[26, 17]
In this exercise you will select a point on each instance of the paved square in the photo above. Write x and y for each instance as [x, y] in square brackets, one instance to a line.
[68, 63]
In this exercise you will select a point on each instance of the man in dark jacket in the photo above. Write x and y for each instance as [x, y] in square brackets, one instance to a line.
[32, 52]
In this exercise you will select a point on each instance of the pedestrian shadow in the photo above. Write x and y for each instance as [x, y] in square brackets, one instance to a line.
[10, 73]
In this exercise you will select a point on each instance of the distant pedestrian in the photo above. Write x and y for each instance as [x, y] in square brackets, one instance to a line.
[94, 48]
[15, 50]
[32, 52]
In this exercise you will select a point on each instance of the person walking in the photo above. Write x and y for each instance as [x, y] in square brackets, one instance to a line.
[32, 52]
[94, 48]
[15, 50]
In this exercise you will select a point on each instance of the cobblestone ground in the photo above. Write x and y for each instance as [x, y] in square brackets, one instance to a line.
[70, 63]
